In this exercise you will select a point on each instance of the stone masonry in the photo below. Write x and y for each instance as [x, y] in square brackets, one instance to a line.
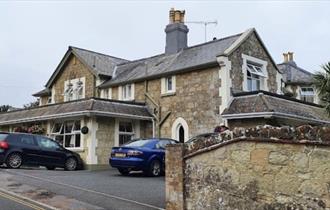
[256, 168]
[251, 47]
[74, 69]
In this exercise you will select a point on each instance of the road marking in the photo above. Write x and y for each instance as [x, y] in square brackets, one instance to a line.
[17, 200]
[42, 205]
[88, 190]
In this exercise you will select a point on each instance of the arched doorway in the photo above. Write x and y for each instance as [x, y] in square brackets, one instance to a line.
[180, 130]
[181, 134]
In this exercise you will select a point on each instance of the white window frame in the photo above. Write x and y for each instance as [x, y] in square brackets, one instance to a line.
[259, 70]
[136, 129]
[165, 85]
[124, 93]
[106, 93]
[72, 133]
[307, 93]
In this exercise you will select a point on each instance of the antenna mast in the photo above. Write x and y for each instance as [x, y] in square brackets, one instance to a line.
[205, 23]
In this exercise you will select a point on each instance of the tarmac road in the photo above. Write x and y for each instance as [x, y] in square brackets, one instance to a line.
[97, 189]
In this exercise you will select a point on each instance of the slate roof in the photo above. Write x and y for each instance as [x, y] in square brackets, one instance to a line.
[293, 74]
[189, 58]
[44, 92]
[259, 103]
[90, 106]
[100, 63]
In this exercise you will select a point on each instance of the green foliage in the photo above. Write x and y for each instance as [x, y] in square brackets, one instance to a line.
[4, 108]
[322, 84]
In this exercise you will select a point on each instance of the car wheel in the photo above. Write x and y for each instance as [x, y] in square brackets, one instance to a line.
[14, 160]
[155, 168]
[50, 167]
[123, 171]
[71, 164]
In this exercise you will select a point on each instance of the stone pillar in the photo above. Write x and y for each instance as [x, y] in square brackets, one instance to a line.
[174, 177]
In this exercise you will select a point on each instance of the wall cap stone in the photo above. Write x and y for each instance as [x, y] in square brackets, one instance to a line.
[304, 134]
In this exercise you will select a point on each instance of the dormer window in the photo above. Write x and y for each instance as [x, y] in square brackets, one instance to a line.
[255, 74]
[307, 94]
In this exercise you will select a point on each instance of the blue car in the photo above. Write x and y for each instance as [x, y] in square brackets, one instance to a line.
[147, 155]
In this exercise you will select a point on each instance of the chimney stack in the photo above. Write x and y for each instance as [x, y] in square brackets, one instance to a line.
[288, 57]
[176, 32]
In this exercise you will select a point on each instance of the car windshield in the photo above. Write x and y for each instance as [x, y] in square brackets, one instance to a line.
[139, 143]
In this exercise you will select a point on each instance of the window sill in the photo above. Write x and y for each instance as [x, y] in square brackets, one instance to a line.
[75, 149]
[168, 94]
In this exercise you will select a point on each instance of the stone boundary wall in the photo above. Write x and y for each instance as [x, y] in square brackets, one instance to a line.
[257, 168]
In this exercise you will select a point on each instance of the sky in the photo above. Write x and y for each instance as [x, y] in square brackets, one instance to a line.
[35, 35]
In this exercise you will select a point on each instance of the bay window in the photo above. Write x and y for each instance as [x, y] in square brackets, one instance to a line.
[67, 134]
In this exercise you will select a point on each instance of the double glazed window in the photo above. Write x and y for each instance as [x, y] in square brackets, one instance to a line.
[255, 76]
[307, 94]
[126, 132]
[67, 134]
[168, 85]
[127, 92]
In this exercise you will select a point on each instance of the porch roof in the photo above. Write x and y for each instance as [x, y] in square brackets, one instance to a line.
[84, 107]
[264, 104]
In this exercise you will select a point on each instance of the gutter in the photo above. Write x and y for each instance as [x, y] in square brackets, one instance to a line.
[271, 114]
[75, 114]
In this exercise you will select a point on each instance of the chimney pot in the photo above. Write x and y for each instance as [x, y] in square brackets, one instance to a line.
[290, 56]
[285, 56]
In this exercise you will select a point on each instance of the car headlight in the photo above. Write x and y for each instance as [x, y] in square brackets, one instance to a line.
[134, 153]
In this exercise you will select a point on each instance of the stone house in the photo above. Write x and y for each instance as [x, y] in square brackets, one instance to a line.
[180, 93]
[298, 81]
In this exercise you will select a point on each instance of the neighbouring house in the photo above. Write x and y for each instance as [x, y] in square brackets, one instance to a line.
[298, 81]
[180, 93]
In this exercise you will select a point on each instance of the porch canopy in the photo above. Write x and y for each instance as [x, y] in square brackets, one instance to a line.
[84, 107]
[264, 104]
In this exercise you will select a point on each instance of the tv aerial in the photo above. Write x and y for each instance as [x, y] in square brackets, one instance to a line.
[205, 23]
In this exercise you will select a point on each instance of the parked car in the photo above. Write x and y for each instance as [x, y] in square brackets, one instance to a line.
[17, 149]
[147, 155]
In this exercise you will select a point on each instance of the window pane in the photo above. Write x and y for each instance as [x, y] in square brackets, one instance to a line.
[26, 139]
[125, 127]
[59, 139]
[77, 125]
[77, 140]
[249, 83]
[57, 128]
[124, 139]
[46, 143]
[169, 83]
[129, 91]
[69, 141]
[68, 127]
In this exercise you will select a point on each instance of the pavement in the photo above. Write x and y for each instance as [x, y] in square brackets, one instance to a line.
[85, 190]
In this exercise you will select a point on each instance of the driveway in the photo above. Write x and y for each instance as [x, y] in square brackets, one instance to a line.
[89, 189]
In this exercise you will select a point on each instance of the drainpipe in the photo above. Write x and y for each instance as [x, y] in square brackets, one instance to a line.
[153, 128]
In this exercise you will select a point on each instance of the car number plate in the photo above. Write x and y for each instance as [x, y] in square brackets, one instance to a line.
[120, 155]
